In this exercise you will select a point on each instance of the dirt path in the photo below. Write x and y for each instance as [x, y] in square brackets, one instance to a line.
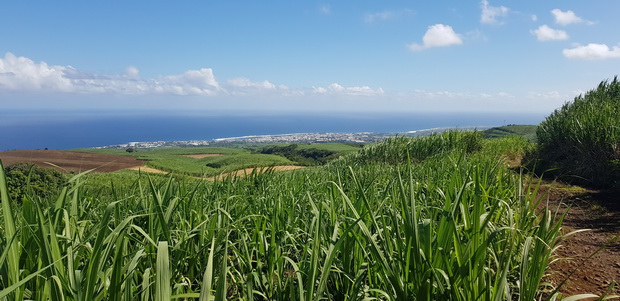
[236, 173]
[594, 256]
[247, 171]
[148, 169]
[200, 156]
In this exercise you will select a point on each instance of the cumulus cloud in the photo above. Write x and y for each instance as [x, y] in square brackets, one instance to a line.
[438, 35]
[21, 73]
[546, 33]
[191, 82]
[385, 15]
[351, 91]
[491, 14]
[242, 82]
[432, 95]
[549, 95]
[566, 17]
[245, 86]
[592, 51]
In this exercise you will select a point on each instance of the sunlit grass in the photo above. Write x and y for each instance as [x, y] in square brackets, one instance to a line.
[581, 140]
[436, 221]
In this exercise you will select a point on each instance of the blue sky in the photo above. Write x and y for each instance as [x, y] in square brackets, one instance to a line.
[300, 56]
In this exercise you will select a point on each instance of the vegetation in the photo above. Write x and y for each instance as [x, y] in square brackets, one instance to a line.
[176, 160]
[434, 218]
[399, 150]
[580, 141]
[527, 131]
[23, 178]
[303, 156]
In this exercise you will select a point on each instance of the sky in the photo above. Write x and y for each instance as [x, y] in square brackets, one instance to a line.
[304, 56]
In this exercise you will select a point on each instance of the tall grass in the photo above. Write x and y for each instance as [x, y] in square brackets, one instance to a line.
[581, 140]
[397, 150]
[453, 226]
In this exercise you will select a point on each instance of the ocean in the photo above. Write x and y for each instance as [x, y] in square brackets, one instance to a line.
[68, 130]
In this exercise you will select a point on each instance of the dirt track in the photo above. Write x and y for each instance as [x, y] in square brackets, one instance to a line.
[247, 171]
[67, 161]
[590, 260]
[200, 156]
[236, 173]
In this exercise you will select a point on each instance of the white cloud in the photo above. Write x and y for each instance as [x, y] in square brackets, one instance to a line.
[242, 82]
[423, 94]
[21, 73]
[325, 9]
[132, 72]
[546, 33]
[385, 15]
[191, 82]
[566, 17]
[490, 14]
[592, 51]
[351, 91]
[549, 95]
[534, 18]
[244, 86]
[438, 35]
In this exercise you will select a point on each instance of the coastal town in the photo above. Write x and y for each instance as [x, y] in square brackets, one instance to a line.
[297, 138]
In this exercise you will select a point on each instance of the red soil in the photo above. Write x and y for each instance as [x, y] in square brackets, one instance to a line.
[68, 161]
[589, 261]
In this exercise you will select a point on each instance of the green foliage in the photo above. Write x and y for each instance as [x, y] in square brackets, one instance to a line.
[23, 178]
[175, 159]
[341, 148]
[581, 140]
[402, 149]
[527, 131]
[512, 148]
[452, 224]
[306, 156]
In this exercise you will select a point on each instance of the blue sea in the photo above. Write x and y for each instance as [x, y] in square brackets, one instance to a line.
[67, 130]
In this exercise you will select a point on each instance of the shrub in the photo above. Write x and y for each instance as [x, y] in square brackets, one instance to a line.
[306, 156]
[29, 179]
[581, 140]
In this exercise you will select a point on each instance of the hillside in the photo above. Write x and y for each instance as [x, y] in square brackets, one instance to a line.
[335, 231]
[527, 131]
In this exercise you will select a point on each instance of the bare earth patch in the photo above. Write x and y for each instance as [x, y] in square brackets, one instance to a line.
[68, 161]
[236, 173]
[200, 156]
[592, 261]
[148, 169]
[248, 171]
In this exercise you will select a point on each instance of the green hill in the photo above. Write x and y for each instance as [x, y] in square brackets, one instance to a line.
[527, 131]
[432, 218]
